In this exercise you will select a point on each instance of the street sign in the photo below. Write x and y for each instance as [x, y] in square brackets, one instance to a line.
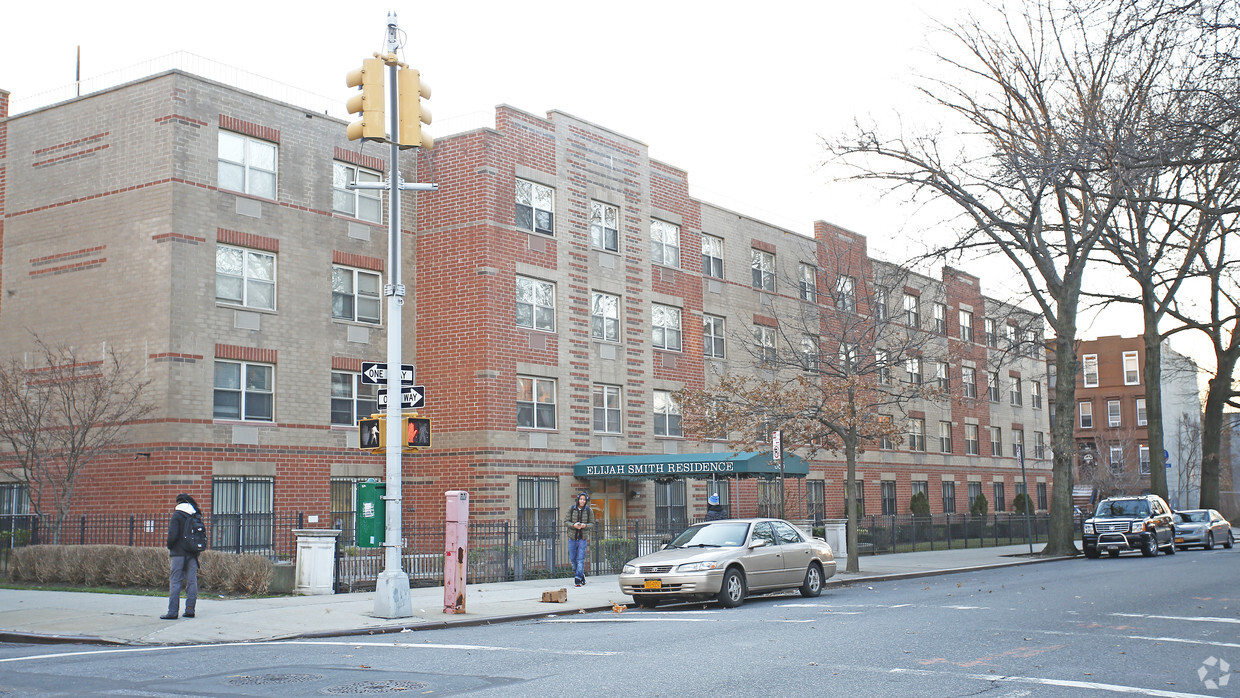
[777, 446]
[412, 397]
[375, 373]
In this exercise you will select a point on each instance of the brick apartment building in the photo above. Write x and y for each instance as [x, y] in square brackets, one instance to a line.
[1111, 428]
[557, 283]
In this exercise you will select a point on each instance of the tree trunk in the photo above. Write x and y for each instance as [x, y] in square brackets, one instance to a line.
[1061, 534]
[1212, 431]
[1153, 403]
[850, 506]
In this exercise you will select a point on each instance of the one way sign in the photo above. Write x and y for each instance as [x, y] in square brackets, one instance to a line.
[412, 397]
[375, 373]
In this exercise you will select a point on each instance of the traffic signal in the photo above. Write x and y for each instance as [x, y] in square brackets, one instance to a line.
[368, 102]
[371, 433]
[417, 433]
[412, 112]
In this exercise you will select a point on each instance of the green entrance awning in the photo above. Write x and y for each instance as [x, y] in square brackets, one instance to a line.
[689, 465]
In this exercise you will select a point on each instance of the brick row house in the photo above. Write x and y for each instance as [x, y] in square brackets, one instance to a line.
[562, 286]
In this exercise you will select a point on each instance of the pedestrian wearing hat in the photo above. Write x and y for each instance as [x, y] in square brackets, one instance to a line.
[578, 521]
[714, 511]
[183, 562]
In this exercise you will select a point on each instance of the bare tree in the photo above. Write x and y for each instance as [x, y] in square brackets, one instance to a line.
[61, 413]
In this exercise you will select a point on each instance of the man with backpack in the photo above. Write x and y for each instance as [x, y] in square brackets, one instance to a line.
[187, 537]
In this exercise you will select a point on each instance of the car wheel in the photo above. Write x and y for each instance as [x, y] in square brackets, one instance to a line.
[1092, 553]
[1209, 541]
[732, 593]
[645, 600]
[1170, 549]
[812, 586]
[1150, 547]
[1113, 553]
[1227, 543]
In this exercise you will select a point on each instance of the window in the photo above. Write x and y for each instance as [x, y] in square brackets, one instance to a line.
[882, 364]
[996, 441]
[666, 324]
[14, 499]
[1016, 393]
[606, 399]
[356, 295]
[846, 294]
[537, 508]
[1089, 367]
[712, 256]
[351, 398]
[665, 243]
[768, 505]
[992, 385]
[1042, 501]
[1113, 415]
[912, 366]
[764, 342]
[241, 513]
[243, 391]
[1018, 443]
[1087, 414]
[1013, 338]
[858, 497]
[1035, 394]
[920, 487]
[1117, 460]
[850, 358]
[938, 311]
[880, 304]
[809, 350]
[604, 227]
[535, 208]
[992, 339]
[247, 165]
[815, 499]
[1033, 344]
[887, 493]
[968, 381]
[763, 266]
[884, 440]
[1141, 414]
[949, 497]
[1143, 453]
[975, 491]
[808, 282]
[972, 445]
[966, 325]
[1039, 444]
[363, 204]
[1132, 374]
[712, 336]
[941, 376]
[916, 434]
[670, 512]
[666, 415]
[945, 437]
[605, 317]
[1000, 500]
[245, 277]
[535, 403]
[535, 304]
[344, 507]
[912, 310]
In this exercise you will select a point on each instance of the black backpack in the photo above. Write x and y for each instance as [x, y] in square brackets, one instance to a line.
[194, 535]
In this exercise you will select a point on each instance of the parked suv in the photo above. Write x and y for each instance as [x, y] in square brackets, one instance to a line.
[1140, 522]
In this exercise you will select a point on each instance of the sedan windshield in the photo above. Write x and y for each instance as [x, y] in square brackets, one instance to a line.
[1124, 507]
[712, 535]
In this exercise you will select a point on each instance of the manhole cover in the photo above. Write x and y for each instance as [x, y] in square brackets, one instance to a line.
[375, 687]
[267, 679]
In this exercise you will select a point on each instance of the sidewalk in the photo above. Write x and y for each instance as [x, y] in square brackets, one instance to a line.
[57, 616]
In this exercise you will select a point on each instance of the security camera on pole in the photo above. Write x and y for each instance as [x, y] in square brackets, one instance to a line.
[404, 90]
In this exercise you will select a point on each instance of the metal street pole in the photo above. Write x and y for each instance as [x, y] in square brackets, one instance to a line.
[1020, 453]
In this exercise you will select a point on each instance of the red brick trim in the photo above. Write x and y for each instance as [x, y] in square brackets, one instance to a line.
[70, 156]
[183, 120]
[341, 363]
[357, 260]
[172, 356]
[257, 242]
[178, 237]
[85, 251]
[248, 128]
[70, 144]
[353, 157]
[66, 266]
[916, 414]
[765, 320]
[762, 245]
[1013, 374]
[910, 291]
[230, 351]
[1018, 425]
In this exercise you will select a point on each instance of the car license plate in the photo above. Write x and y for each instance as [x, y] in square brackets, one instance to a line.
[1112, 547]
[1179, 540]
[654, 584]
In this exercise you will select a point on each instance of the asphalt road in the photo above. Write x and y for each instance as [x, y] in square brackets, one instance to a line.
[1164, 626]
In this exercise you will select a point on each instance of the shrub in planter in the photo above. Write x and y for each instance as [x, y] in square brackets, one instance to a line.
[919, 504]
[980, 506]
[1021, 503]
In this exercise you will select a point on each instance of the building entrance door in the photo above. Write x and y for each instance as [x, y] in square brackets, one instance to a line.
[607, 499]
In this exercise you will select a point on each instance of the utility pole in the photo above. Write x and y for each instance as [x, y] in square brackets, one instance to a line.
[392, 588]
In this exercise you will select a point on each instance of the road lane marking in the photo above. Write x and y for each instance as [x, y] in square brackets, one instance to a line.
[1064, 683]
[1185, 641]
[1195, 619]
[639, 619]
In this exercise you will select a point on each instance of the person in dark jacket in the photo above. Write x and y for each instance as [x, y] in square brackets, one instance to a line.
[579, 520]
[715, 511]
[184, 563]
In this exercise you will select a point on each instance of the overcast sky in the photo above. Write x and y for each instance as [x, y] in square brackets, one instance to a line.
[736, 93]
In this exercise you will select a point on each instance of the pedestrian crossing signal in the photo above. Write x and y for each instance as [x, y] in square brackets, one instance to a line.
[417, 432]
[371, 434]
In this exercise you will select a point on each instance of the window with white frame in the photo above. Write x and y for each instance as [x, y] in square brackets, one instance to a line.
[916, 434]
[605, 317]
[1033, 344]
[941, 379]
[1035, 394]
[1000, 499]
[1132, 372]
[808, 282]
[815, 499]
[912, 310]
[356, 295]
[247, 165]
[992, 385]
[535, 403]
[938, 311]
[1117, 460]
[968, 381]
[1089, 369]
[913, 366]
[241, 513]
[1142, 417]
[713, 345]
[1018, 443]
[666, 414]
[535, 304]
[606, 405]
[966, 325]
[351, 398]
[537, 508]
[1039, 444]
[1013, 338]
[604, 226]
[996, 441]
[245, 277]
[535, 208]
[1143, 453]
[921, 487]
[244, 391]
[14, 499]
[975, 491]
[992, 338]
[363, 204]
[945, 437]
[665, 243]
[846, 293]
[972, 445]
[809, 350]
[666, 323]
[885, 441]
[887, 497]
[880, 304]
[1016, 393]
[712, 256]
[1086, 410]
[762, 265]
[1113, 413]
[882, 365]
[764, 342]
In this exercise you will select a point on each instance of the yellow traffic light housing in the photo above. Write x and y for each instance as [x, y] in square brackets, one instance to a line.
[372, 433]
[417, 433]
[368, 102]
[412, 112]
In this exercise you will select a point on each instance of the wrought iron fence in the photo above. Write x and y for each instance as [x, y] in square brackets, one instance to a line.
[908, 533]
